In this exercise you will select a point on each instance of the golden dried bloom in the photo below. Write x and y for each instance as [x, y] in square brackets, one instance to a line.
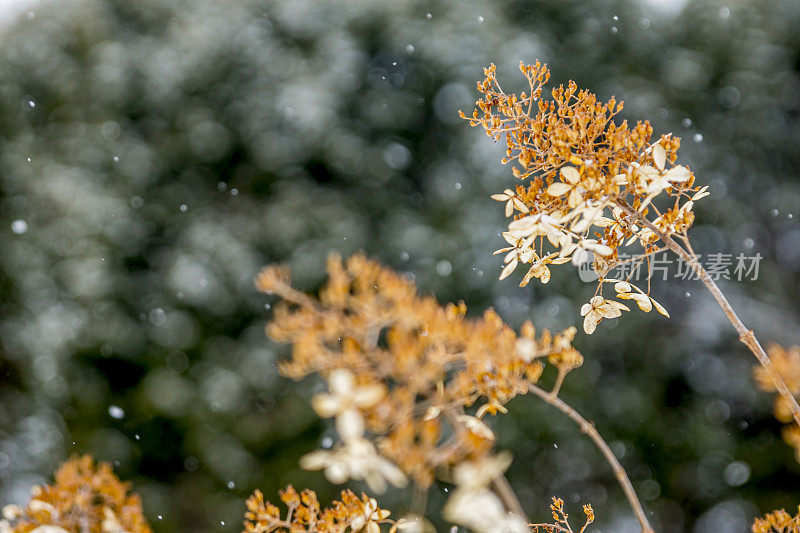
[561, 519]
[85, 497]
[304, 514]
[791, 436]
[777, 522]
[402, 369]
[787, 364]
[273, 278]
[590, 187]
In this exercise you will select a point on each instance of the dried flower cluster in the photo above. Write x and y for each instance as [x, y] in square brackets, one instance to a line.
[787, 363]
[589, 185]
[304, 514]
[404, 373]
[560, 518]
[86, 497]
[777, 522]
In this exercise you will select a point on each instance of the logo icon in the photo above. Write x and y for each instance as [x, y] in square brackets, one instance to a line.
[587, 272]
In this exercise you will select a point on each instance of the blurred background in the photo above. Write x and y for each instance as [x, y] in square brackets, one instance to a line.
[154, 155]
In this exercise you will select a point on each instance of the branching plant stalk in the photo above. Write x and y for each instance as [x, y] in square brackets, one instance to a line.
[746, 335]
[589, 429]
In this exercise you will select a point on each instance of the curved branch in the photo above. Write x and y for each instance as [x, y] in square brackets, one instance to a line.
[746, 336]
[588, 428]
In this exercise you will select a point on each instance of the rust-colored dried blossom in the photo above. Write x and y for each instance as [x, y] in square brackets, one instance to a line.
[590, 186]
[777, 522]
[304, 514]
[787, 364]
[402, 370]
[85, 497]
[561, 519]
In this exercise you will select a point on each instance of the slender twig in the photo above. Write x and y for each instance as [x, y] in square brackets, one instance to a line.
[420, 500]
[746, 336]
[503, 489]
[553, 528]
[559, 381]
[588, 428]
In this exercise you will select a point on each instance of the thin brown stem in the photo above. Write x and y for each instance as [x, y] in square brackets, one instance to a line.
[549, 527]
[588, 428]
[419, 502]
[559, 381]
[746, 336]
[503, 489]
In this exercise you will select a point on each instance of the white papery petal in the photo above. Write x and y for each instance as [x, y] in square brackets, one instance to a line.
[480, 510]
[341, 381]
[337, 472]
[12, 512]
[476, 426]
[570, 175]
[590, 322]
[582, 225]
[316, 460]
[368, 395]
[527, 256]
[622, 286]
[350, 425]
[580, 257]
[524, 224]
[678, 174]
[607, 310]
[358, 522]
[649, 172]
[509, 268]
[39, 505]
[520, 205]
[660, 308]
[643, 301]
[659, 156]
[510, 238]
[326, 405]
[559, 189]
[618, 305]
[391, 472]
[599, 249]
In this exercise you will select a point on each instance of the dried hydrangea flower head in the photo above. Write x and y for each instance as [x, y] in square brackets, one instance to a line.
[402, 369]
[586, 181]
[777, 522]
[787, 363]
[351, 514]
[410, 381]
[590, 188]
[85, 497]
